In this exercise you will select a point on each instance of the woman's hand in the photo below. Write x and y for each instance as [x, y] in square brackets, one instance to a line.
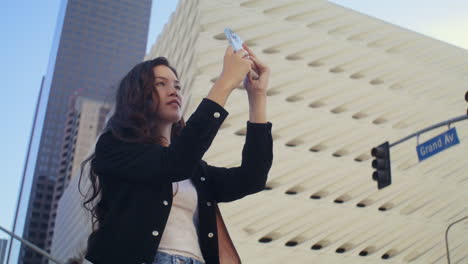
[235, 67]
[259, 85]
[256, 89]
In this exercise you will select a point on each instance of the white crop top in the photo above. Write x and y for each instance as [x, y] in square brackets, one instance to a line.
[180, 235]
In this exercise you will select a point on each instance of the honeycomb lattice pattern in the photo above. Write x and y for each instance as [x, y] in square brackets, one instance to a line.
[341, 83]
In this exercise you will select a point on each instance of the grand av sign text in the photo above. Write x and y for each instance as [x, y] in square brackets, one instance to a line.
[437, 144]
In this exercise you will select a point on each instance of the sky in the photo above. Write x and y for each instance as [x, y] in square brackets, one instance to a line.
[27, 28]
[444, 20]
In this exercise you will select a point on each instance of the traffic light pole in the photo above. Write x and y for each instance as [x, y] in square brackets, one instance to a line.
[444, 123]
[383, 172]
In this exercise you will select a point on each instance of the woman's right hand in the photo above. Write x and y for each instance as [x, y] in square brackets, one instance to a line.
[236, 65]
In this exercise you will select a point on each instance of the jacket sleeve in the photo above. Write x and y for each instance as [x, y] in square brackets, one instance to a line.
[154, 164]
[229, 184]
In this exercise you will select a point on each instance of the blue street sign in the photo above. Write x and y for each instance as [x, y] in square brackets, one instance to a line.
[437, 144]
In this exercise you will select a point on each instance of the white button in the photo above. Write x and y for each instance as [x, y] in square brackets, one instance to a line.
[165, 202]
[202, 178]
[216, 114]
[210, 235]
[155, 233]
[208, 203]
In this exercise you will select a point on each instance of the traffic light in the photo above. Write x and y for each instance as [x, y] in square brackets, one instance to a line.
[381, 164]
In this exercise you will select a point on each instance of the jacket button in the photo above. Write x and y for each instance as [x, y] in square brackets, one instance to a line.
[165, 202]
[208, 203]
[202, 179]
[216, 114]
[210, 235]
[155, 233]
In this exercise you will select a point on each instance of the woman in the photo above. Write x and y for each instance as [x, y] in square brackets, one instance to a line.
[156, 197]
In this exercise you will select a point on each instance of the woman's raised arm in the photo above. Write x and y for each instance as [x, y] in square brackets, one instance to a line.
[153, 163]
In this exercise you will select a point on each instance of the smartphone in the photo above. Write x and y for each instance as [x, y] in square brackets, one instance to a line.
[235, 41]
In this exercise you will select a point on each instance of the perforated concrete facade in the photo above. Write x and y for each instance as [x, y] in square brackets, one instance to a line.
[341, 83]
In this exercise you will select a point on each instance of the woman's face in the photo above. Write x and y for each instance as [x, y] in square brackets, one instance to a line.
[167, 86]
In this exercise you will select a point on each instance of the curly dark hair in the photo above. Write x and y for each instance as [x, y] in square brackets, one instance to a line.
[136, 106]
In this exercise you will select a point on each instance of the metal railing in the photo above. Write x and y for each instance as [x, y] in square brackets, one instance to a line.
[30, 245]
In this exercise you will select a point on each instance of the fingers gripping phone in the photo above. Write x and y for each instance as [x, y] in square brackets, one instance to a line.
[236, 43]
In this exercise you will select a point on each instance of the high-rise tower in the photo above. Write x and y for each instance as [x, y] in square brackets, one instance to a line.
[95, 43]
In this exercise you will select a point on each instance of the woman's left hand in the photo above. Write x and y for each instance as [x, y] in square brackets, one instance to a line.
[256, 86]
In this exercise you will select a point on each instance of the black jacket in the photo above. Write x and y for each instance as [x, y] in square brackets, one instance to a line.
[137, 186]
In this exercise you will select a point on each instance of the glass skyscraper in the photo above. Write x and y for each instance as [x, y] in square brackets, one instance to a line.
[96, 42]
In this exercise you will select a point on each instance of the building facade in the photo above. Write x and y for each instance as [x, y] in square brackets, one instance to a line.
[85, 120]
[341, 83]
[95, 44]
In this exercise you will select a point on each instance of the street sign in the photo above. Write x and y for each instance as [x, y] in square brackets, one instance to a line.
[437, 144]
